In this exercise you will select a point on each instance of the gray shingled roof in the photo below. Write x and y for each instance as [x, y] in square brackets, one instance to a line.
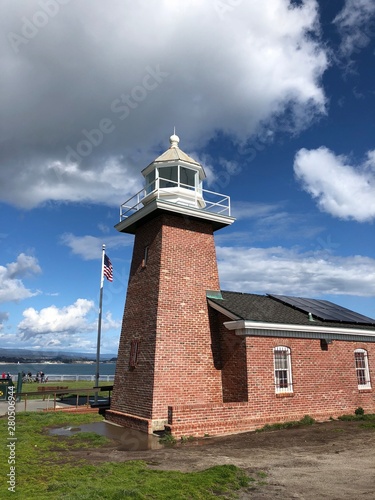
[252, 307]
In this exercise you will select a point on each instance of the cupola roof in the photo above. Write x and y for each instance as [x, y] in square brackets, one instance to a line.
[174, 153]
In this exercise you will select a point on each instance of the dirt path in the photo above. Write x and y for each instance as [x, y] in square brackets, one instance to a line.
[331, 460]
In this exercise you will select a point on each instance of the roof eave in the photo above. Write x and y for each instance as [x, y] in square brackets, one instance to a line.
[257, 328]
[222, 310]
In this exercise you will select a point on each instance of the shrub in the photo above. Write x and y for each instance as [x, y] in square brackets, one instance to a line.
[168, 439]
[307, 420]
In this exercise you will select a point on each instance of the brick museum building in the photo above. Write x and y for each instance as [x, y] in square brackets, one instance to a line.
[198, 360]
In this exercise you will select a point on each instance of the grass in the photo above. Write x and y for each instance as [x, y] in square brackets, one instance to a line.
[79, 441]
[168, 439]
[261, 478]
[306, 420]
[47, 467]
[73, 386]
[368, 419]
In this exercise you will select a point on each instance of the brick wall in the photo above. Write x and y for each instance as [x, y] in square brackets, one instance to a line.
[166, 311]
[133, 390]
[324, 382]
[234, 370]
[211, 380]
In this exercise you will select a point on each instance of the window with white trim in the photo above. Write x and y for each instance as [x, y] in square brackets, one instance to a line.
[283, 369]
[362, 369]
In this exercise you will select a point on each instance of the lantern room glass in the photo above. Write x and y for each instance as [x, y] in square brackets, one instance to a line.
[172, 176]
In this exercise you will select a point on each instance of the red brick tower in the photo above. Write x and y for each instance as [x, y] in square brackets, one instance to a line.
[165, 354]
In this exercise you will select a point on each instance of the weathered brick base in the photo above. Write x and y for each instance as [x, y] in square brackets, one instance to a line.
[229, 418]
[135, 422]
[82, 409]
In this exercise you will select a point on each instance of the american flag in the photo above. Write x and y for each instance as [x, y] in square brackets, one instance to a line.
[108, 269]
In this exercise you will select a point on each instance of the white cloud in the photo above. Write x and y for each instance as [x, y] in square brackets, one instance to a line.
[108, 323]
[73, 342]
[252, 210]
[219, 172]
[104, 228]
[259, 68]
[110, 183]
[341, 188]
[71, 327]
[4, 316]
[90, 247]
[284, 271]
[70, 319]
[12, 287]
[355, 25]
[269, 221]
[23, 267]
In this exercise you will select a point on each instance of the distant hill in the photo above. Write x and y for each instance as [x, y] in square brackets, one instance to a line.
[28, 355]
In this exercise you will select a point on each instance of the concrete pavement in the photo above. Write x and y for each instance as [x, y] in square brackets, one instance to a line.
[33, 405]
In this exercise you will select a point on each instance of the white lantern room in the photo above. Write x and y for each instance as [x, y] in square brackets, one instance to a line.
[174, 177]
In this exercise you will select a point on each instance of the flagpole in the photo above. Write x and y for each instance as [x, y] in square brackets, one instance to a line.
[99, 324]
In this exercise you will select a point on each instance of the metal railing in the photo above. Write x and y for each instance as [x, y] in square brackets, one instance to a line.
[214, 202]
[77, 398]
[77, 378]
[24, 397]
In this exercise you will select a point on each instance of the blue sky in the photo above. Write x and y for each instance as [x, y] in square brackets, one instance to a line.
[276, 99]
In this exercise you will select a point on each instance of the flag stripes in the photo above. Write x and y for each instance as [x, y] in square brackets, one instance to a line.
[108, 269]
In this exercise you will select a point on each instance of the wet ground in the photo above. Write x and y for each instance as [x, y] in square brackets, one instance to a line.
[330, 461]
[333, 460]
[125, 439]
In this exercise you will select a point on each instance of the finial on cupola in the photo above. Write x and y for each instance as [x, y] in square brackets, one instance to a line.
[174, 139]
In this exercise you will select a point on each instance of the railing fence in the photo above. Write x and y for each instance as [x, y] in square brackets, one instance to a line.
[77, 378]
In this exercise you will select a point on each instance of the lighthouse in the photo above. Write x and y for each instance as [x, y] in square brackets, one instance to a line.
[166, 353]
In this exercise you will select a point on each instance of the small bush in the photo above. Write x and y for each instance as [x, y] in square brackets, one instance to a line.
[359, 411]
[168, 440]
[307, 420]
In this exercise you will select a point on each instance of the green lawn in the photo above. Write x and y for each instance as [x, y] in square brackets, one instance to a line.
[73, 386]
[46, 469]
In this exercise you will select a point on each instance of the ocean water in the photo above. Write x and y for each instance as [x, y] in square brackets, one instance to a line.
[51, 369]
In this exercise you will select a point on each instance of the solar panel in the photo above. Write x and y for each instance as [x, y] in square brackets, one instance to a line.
[325, 310]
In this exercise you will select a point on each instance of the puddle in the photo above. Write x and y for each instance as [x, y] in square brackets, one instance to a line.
[129, 439]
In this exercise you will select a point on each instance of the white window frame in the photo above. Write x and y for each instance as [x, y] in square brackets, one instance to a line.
[283, 373]
[362, 369]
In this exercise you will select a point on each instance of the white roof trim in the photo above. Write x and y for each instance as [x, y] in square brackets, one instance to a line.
[247, 328]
